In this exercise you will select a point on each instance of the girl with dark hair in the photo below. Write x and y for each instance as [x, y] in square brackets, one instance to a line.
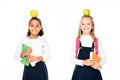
[38, 54]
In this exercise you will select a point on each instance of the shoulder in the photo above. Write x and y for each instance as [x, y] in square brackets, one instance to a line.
[42, 37]
[77, 38]
[23, 38]
[98, 42]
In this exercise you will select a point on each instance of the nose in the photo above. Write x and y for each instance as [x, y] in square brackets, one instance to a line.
[34, 27]
[85, 25]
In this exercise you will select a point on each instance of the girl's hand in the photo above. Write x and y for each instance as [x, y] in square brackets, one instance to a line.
[39, 58]
[31, 59]
[34, 58]
[96, 66]
[26, 53]
[88, 62]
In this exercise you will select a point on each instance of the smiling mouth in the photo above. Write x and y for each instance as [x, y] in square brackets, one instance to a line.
[86, 29]
[34, 30]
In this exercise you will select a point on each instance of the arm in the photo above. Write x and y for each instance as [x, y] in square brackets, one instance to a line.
[34, 58]
[102, 55]
[73, 55]
[46, 51]
[26, 53]
[18, 51]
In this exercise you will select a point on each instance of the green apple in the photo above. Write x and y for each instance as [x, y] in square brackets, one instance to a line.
[33, 13]
[86, 12]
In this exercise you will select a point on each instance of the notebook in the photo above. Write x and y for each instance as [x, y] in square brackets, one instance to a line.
[24, 59]
[95, 57]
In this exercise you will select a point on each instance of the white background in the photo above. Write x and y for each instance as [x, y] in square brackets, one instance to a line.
[60, 20]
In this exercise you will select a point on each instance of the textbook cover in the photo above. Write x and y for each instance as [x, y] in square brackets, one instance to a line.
[23, 61]
[95, 57]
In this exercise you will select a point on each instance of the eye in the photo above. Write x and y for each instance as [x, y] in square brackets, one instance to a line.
[31, 25]
[37, 25]
[89, 24]
[82, 24]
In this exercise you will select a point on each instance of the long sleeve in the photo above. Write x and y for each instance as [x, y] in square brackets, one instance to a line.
[46, 51]
[18, 51]
[101, 53]
[73, 58]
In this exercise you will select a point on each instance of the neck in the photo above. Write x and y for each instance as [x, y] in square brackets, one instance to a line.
[33, 36]
[86, 34]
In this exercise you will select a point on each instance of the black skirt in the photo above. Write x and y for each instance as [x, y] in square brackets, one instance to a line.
[38, 72]
[86, 73]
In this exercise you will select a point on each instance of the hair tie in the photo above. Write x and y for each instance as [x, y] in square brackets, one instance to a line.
[86, 12]
[33, 13]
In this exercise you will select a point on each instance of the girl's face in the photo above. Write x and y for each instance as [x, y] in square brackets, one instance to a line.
[86, 25]
[34, 27]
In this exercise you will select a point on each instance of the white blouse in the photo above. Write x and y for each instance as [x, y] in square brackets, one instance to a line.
[39, 47]
[87, 41]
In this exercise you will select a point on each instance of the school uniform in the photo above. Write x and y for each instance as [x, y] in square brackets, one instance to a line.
[82, 72]
[36, 70]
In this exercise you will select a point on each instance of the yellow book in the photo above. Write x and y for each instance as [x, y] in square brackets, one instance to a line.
[95, 57]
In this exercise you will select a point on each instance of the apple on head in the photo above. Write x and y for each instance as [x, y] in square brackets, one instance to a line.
[33, 13]
[86, 12]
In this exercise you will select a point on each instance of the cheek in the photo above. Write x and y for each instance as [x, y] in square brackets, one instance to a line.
[91, 27]
[39, 29]
[82, 27]
[29, 29]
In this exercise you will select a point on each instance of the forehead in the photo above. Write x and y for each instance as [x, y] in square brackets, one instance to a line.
[86, 19]
[34, 21]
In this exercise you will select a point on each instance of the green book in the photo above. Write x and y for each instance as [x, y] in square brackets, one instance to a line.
[24, 59]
